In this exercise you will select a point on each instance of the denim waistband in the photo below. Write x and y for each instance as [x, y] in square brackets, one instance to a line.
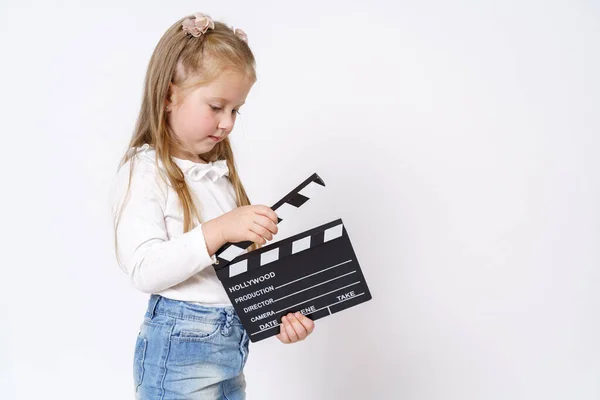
[158, 304]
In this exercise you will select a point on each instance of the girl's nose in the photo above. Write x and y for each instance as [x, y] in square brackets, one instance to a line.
[226, 123]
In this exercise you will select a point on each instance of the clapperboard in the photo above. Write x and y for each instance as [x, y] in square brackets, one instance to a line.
[315, 272]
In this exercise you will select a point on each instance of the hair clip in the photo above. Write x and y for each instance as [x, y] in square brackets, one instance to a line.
[241, 34]
[199, 25]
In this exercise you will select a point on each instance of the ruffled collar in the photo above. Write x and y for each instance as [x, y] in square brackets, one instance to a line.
[193, 170]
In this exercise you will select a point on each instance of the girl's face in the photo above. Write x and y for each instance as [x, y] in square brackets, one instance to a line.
[206, 115]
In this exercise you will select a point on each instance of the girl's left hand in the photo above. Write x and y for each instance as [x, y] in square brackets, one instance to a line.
[295, 327]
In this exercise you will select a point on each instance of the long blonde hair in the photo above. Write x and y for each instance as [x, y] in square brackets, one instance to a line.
[181, 59]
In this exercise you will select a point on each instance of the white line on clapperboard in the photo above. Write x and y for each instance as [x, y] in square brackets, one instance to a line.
[313, 286]
[352, 284]
[318, 272]
[316, 297]
[310, 287]
[333, 304]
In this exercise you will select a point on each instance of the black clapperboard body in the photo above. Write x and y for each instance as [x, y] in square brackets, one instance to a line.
[315, 272]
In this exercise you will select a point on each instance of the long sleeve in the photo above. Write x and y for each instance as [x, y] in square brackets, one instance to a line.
[144, 251]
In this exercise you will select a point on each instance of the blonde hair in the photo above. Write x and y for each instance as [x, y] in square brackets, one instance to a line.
[186, 61]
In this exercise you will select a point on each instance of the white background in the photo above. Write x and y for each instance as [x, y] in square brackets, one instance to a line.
[458, 140]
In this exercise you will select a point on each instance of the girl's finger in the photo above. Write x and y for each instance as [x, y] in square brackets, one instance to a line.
[291, 332]
[298, 327]
[267, 212]
[266, 223]
[308, 323]
[283, 337]
[261, 231]
[256, 238]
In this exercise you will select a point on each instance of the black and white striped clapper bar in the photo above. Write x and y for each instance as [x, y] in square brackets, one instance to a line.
[315, 272]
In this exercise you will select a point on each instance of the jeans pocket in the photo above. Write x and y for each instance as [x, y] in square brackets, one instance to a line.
[138, 360]
[186, 331]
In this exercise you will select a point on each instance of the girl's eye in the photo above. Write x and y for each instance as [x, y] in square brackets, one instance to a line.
[217, 108]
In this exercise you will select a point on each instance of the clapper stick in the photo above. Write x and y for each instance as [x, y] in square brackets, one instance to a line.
[290, 202]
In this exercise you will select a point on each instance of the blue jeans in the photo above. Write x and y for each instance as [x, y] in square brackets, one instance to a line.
[189, 351]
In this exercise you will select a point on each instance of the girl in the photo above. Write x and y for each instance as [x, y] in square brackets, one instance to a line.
[179, 171]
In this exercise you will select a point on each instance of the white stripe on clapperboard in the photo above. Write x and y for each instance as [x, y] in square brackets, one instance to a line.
[273, 255]
[231, 252]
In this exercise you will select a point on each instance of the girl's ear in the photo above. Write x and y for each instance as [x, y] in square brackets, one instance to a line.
[170, 97]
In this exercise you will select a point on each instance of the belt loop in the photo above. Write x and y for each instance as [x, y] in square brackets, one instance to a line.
[228, 319]
[152, 302]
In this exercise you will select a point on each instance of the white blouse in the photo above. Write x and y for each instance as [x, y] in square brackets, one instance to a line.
[151, 246]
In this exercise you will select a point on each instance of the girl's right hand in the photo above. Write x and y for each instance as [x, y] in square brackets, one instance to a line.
[256, 223]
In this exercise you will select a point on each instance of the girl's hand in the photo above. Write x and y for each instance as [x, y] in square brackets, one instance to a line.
[295, 327]
[256, 223]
